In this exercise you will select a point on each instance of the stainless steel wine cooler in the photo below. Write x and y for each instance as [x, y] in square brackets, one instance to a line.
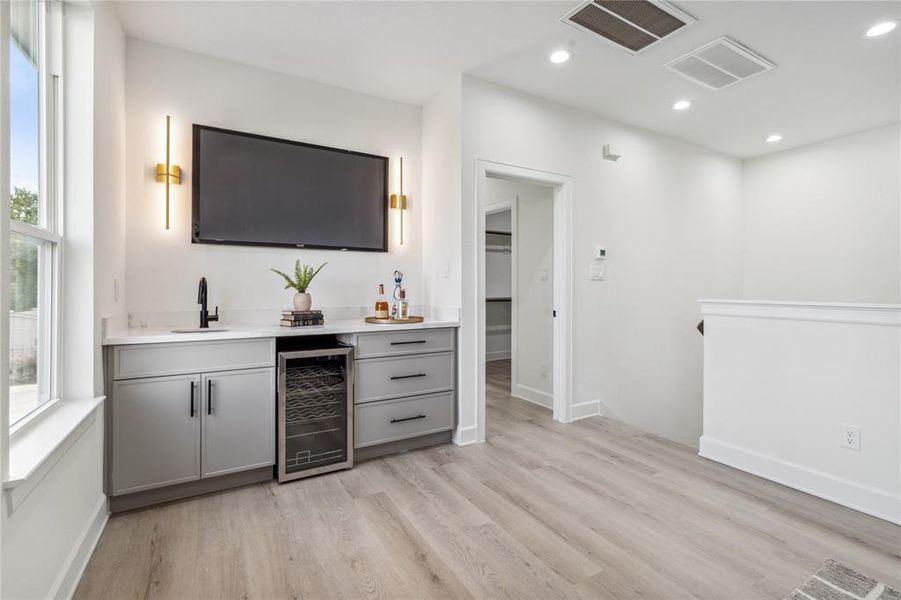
[315, 412]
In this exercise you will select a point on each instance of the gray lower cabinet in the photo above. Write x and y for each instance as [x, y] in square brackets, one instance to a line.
[155, 432]
[404, 389]
[237, 424]
[174, 434]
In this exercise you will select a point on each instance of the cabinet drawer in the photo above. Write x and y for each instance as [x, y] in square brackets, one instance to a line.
[383, 378]
[403, 342]
[389, 420]
[149, 360]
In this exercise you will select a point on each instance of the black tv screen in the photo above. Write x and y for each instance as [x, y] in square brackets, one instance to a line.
[258, 190]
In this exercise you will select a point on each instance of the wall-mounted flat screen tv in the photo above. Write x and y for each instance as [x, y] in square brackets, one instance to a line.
[258, 190]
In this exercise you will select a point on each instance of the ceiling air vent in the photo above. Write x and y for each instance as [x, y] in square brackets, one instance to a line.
[721, 63]
[632, 25]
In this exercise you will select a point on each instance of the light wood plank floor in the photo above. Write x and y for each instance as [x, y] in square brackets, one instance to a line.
[594, 509]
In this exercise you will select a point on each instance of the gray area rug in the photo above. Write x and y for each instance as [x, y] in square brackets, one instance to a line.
[835, 581]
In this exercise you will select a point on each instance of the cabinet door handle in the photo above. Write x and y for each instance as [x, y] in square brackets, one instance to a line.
[209, 396]
[402, 419]
[410, 342]
[192, 399]
[393, 377]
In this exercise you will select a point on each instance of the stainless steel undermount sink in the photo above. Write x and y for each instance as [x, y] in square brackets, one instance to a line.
[199, 329]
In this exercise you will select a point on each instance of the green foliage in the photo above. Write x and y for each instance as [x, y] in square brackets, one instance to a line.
[303, 276]
[23, 259]
[23, 206]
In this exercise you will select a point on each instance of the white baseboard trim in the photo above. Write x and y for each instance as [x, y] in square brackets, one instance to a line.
[863, 498]
[530, 394]
[466, 436]
[497, 355]
[583, 410]
[77, 561]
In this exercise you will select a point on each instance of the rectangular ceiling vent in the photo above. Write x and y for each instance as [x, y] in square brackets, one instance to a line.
[721, 63]
[632, 25]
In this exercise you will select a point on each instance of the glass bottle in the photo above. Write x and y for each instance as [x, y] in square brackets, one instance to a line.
[381, 304]
[404, 312]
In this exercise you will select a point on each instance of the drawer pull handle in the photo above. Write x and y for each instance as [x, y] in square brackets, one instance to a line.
[410, 342]
[402, 419]
[209, 396]
[192, 399]
[393, 377]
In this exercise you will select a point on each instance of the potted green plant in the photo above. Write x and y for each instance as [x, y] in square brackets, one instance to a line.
[303, 276]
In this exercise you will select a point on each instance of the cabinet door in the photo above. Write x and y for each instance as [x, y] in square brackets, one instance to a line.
[156, 432]
[238, 421]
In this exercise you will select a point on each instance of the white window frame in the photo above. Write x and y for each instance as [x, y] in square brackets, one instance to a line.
[48, 232]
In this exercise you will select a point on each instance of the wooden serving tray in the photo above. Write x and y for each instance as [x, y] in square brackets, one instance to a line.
[406, 321]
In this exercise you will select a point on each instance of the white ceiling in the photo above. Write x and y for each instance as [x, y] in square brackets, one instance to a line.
[829, 79]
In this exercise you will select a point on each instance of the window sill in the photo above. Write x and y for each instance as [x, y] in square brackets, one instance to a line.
[34, 450]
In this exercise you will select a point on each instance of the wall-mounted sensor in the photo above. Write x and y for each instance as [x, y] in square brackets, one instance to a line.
[600, 253]
[612, 152]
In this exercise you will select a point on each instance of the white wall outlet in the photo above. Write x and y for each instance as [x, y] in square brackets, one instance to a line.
[445, 269]
[596, 271]
[544, 369]
[851, 437]
[543, 274]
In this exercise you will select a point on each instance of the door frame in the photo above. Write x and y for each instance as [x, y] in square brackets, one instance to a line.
[562, 342]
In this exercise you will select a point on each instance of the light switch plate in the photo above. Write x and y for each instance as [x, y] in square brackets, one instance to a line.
[596, 271]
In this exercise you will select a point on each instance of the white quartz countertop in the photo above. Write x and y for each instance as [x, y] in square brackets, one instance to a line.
[160, 335]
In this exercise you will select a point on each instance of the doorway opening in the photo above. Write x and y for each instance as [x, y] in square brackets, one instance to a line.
[525, 316]
[519, 296]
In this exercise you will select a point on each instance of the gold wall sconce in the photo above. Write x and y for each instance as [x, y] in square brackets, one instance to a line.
[399, 201]
[167, 168]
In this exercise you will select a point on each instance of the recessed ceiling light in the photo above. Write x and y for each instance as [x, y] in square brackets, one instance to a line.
[773, 138]
[681, 105]
[558, 57]
[881, 28]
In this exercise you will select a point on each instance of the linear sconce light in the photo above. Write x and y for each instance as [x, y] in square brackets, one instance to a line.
[399, 201]
[167, 172]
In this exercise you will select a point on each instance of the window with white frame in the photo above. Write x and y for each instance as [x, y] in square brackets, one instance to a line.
[34, 90]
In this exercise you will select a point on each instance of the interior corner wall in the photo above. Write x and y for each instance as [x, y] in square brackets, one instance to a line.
[669, 214]
[163, 267]
[109, 175]
[822, 223]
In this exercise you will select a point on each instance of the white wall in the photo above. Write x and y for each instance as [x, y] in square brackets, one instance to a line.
[534, 326]
[822, 221]
[669, 214]
[109, 175]
[163, 267]
[781, 382]
[441, 131]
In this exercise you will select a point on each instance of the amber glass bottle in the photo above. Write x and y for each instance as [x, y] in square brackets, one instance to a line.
[381, 304]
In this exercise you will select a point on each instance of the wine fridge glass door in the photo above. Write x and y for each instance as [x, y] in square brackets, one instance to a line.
[315, 423]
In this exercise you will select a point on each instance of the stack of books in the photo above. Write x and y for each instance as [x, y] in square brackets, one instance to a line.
[301, 318]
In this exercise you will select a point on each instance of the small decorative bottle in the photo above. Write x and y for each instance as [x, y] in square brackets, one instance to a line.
[404, 312]
[381, 304]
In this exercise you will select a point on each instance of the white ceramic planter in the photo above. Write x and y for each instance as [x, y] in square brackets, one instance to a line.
[302, 302]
